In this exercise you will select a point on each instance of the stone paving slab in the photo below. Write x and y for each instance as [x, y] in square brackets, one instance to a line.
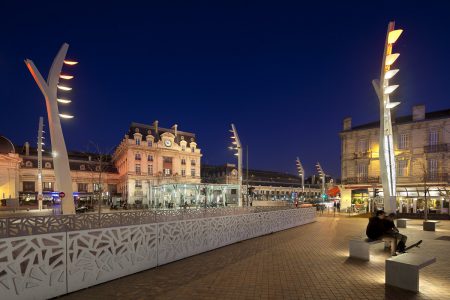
[307, 262]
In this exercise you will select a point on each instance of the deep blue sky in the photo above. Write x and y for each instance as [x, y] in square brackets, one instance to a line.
[286, 73]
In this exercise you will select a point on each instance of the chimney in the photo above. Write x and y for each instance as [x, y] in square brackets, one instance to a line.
[27, 148]
[347, 123]
[155, 125]
[418, 112]
[175, 130]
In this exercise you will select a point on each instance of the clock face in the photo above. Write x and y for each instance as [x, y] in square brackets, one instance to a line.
[168, 143]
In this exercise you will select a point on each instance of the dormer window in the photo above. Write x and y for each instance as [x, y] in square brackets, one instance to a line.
[82, 167]
[137, 137]
[138, 141]
[48, 165]
[150, 143]
[192, 149]
[28, 164]
[98, 168]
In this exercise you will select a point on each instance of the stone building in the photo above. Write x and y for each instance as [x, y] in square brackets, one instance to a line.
[149, 156]
[265, 185]
[422, 161]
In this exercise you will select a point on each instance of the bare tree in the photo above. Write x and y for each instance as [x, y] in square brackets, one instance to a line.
[424, 176]
[98, 165]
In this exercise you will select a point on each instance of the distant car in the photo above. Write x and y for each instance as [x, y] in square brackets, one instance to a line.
[81, 209]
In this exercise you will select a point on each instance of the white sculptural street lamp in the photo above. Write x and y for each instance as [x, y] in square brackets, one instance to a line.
[49, 89]
[383, 91]
[236, 145]
[301, 173]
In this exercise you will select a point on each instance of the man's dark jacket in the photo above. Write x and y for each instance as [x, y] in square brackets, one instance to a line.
[375, 228]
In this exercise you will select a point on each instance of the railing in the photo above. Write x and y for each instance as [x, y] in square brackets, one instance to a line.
[22, 226]
[436, 148]
[354, 180]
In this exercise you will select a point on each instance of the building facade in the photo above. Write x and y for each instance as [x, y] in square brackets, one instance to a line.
[422, 158]
[91, 177]
[264, 185]
[150, 156]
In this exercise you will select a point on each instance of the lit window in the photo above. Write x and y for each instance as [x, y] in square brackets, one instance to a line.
[402, 168]
[167, 172]
[363, 145]
[97, 187]
[138, 169]
[47, 186]
[403, 142]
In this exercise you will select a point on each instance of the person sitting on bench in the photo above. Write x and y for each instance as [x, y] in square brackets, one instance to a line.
[391, 231]
[375, 228]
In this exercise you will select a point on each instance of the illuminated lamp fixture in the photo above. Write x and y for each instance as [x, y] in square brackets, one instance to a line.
[65, 76]
[386, 135]
[70, 62]
[65, 116]
[64, 88]
[391, 58]
[392, 104]
[64, 101]
[391, 73]
[236, 142]
[390, 89]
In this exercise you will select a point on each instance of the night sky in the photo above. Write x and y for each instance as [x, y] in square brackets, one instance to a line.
[286, 73]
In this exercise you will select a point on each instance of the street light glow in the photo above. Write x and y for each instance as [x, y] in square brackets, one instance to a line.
[390, 89]
[64, 101]
[391, 73]
[394, 35]
[391, 58]
[392, 104]
[64, 88]
[70, 62]
[65, 116]
[65, 76]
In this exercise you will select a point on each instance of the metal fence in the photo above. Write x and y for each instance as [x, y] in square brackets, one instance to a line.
[30, 225]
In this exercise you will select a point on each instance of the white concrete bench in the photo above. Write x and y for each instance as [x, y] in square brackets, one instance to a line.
[403, 271]
[429, 225]
[359, 247]
[401, 223]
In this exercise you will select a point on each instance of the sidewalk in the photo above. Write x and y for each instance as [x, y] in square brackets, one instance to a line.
[307, 262]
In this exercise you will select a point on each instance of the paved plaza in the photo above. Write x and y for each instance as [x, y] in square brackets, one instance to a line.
[307, 262]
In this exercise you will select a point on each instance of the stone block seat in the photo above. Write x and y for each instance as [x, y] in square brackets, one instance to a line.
[403, 271]
[429, 225]
[401, 223]
[359, 247]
